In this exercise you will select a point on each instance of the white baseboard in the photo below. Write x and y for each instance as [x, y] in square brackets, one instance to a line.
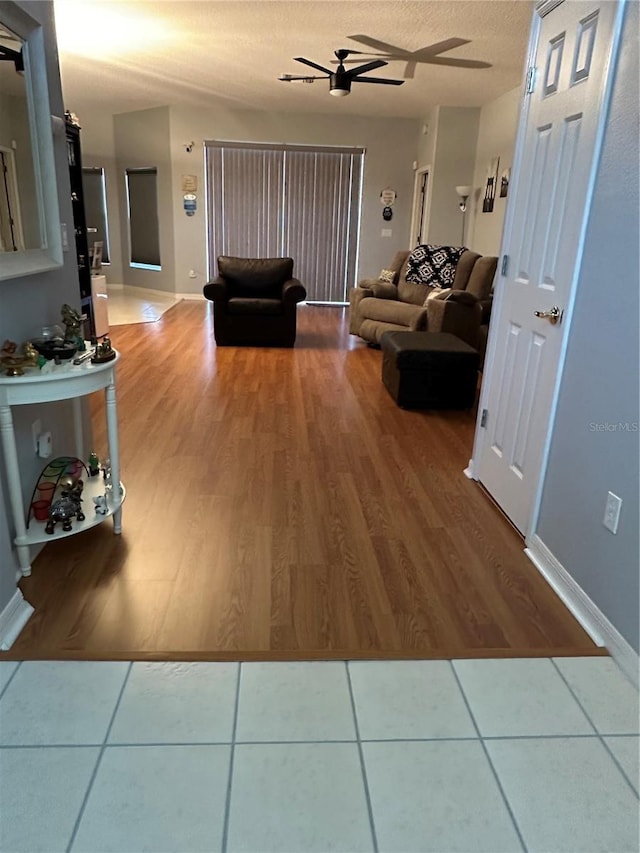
[13, 619]
[588, 614]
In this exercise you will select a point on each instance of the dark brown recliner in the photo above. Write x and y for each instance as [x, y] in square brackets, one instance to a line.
[254, 302]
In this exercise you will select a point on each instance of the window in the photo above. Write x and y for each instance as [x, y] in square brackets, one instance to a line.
[95, 208]
[287, 200]
[144, 232]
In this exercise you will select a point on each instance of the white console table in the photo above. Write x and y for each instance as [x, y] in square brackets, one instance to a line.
[66, 382]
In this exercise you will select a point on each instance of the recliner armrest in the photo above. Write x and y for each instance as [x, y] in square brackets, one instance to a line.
[461, 297]
[216, 289]
[486, 304]
[293, 291]
[382, 290]
[458, 318]
[356, 295]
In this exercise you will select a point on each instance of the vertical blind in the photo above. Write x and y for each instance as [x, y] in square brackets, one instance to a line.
[287, 200]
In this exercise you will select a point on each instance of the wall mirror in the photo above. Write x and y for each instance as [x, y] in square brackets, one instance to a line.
[30, 237]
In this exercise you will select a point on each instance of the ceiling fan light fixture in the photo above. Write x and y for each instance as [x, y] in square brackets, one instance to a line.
[339, 86]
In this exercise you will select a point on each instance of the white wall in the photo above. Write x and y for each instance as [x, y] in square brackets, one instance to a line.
[600, 378]
[496, 138]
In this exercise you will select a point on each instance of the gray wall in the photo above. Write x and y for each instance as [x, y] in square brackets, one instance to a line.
[600, 379]
[28, 303]
[390, 151]
[98, 150]
[142, 139]
[455, 154]
[145, 139]
[496, 138]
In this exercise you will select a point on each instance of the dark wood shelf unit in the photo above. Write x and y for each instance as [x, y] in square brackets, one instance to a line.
[74, 157]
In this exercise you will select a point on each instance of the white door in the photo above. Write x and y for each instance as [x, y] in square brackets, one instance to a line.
[559, 139]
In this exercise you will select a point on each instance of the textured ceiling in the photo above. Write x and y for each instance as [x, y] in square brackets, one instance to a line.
[123, 56]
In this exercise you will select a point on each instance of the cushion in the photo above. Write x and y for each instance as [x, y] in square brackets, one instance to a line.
[387, 276]
[385, 291]
[257, 277]
[247, 305]
[434, 265]
[482, 275]
[409, 291]
[435, 293]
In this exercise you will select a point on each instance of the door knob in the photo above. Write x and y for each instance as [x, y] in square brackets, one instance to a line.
[553, 315]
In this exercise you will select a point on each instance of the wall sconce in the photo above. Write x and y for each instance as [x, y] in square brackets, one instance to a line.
[463, 194]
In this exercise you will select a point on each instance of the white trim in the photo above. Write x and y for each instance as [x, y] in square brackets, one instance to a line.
[595, 623]
[415, 215]
[198, 297]
[543, 7]
[13, 618]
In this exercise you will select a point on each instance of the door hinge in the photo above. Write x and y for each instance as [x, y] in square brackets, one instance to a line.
[483, 418]
[530, 82]
[505, 265]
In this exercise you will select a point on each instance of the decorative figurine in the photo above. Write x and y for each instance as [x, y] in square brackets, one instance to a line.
[10, 359]
[101, 504]
[31, 354]
[94, 464]
[104, 352]
[72, 320]
[67, 506]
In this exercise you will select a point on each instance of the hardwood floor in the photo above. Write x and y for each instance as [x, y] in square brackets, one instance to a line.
[280, 505]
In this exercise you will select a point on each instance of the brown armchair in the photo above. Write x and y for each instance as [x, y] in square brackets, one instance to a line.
[254, 302]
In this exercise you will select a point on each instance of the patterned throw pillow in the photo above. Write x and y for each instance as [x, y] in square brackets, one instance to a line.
[387, 276]
[434, 266]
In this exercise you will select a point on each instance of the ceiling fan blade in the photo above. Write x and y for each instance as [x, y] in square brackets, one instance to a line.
[383, 81]
[456, 63]
[379, 45]
[439, 47]
[287, 78]
[369, 66]
[312, 64]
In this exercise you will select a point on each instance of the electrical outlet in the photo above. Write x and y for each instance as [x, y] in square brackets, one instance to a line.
[36, 429]
[193, 274]
[386, 232]
[45, 445]
[612, 512]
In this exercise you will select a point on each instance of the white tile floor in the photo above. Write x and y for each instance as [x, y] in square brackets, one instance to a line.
[397, 756]
[126, 305]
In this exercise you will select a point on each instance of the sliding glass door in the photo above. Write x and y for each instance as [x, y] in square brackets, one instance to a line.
[287, 200]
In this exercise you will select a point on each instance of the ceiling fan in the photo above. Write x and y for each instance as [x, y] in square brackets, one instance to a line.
[431, 54]
[340, 80]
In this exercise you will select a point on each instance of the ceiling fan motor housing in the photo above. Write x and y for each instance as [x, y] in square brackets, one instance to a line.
[339, 84]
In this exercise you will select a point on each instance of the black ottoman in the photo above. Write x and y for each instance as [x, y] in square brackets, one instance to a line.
[429, 370]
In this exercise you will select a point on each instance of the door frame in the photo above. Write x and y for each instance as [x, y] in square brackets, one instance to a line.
[493, 356]
[415, 214]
